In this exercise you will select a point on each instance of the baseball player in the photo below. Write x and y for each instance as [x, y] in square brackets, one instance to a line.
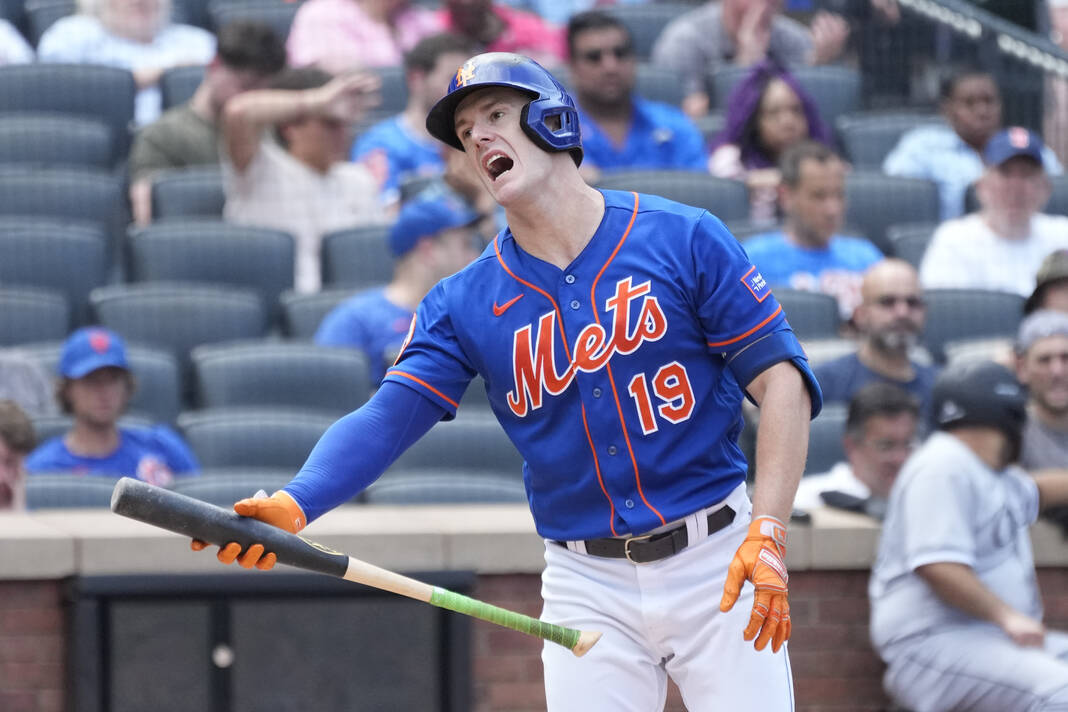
[617, 334]
[956, 612]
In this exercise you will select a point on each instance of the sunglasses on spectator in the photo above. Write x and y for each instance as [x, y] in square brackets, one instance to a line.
[888, 301]
[594, 56]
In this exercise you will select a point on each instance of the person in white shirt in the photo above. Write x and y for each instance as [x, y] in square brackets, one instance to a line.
[301, 182]
[880, 433]
[1001, 246]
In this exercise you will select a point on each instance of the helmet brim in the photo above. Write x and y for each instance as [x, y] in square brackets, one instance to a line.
[441, 121]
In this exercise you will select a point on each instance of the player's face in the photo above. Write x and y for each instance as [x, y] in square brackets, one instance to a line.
[100, 397]
[974, 109]
[603, 66]
[781, 118]
[508, 163]
[816, 206]
[1056, 297]
[318, 142]
[892, 310]
[12, 476]
[877, 456]
[1015, 190]
[1044, 370]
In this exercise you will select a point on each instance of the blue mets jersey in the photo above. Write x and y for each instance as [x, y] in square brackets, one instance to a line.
[371, 323]
[617, 378]
[407, 155]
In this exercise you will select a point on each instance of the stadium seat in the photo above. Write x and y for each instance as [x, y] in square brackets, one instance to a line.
[287, 374]
[66, 257]
[271, 438]
[827, 349]
[835, 89]
[745, 229]
[177, 84]
[473, 442]
[279, 15]
[56, 141]
[812, 315]
[825, 439]
[356, 257]
[86, 90]
[29, 314]
[224, 486]
[214, 252]
[996, 348]
[475, 397]
[659, 84]
[157, 398]
[711, 125]
[647, 21]
[909, 241]
[726, 199]
[956, 314]
[65, 491]
[1058, 202]
[178, 317]
[868, 137]
[444, 486]
[196, 191]
[393, 94]
[875, 201]
[42, 14]
[302, 313]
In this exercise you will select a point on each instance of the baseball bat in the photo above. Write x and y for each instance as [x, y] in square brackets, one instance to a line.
[193, 518]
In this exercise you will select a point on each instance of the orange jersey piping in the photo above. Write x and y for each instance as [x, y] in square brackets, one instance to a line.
[748, 333]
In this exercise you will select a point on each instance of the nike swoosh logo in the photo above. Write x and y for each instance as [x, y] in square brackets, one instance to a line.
[498, 310]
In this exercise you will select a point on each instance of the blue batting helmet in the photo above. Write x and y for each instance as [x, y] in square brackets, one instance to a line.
[549, 100]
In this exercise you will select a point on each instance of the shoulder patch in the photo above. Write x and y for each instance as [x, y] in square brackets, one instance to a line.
[756, 284]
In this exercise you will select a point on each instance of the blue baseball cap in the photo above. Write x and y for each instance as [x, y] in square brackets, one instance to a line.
[1012, 142]
[421, 218]
[89, 349]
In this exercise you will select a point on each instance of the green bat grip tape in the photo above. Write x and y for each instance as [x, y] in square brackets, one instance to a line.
[443, 598]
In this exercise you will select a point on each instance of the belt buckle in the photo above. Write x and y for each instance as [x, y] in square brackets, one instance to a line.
[626, 547]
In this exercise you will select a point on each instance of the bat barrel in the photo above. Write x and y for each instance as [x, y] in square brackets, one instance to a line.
[200, 520]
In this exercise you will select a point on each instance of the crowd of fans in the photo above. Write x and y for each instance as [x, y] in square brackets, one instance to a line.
[287, 121]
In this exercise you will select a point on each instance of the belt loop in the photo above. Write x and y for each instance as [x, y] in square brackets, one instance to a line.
[696, 527]
[579, 547]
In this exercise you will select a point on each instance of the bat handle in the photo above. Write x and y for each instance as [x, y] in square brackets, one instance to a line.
[578, 642]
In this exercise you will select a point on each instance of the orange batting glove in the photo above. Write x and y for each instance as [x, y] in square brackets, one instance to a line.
[760, 560]
[279, 510]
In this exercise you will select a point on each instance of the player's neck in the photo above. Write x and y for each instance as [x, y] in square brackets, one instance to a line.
[406, 292]
[892, 364]
[1049, 419]
[1007, 228]
[90, 440]
[555, 225]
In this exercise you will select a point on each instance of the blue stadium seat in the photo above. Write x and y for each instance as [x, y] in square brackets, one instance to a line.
[726, 199]
[647, 21]
[356, 257]
[825, 439]
[184, 193]
[177, 84]
[868, 137]
[268, 438]
[56, 141]
[302, 313]
[835, 89]
[279, 15]
[875, 201]
[29, 314]
[812, 315]
[958, 314]
[223, 486]
[909, 241]
[66, 491]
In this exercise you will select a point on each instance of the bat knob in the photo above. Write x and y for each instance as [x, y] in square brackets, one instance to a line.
[587, 639]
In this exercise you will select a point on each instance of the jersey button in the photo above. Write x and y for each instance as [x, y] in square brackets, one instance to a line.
[570, 279]
[596, 392]
[575, 304]
[629, 503]
[611, 449]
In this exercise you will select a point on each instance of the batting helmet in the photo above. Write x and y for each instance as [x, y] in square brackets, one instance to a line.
[549, 101]
[979, 393]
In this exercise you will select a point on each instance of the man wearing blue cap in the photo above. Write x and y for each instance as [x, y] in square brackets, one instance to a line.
[430, 240]
[1001, 246]
[95, 386]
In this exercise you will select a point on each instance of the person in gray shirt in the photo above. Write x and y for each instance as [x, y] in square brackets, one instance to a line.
[741, 33]
[1042, 366]
[955, 609]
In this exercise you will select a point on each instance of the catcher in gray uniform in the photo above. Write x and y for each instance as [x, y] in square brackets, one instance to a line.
[956, 612]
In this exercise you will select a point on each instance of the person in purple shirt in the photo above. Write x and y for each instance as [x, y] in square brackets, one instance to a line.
[621, 130]
[95, 386]
[808, 253]
[431, 239]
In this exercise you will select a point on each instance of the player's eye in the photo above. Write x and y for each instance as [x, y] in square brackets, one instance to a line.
[497, 114]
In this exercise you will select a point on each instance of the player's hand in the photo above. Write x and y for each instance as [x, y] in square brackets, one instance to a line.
[760, 559]
[346, 97]
[1024, 630]
[830, 32]
[279, 510]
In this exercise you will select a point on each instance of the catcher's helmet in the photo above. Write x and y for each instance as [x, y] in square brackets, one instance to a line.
[979, 393]
[548, 97]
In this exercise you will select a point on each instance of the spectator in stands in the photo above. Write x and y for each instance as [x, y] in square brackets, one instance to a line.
[302, 184]
[95, 386]
[742, 33]
[880, 433]
[137, 35]
[338, 36]
[560, 11]
[249, 53]
[1055, 125]
[768, 112]
[430, 240]
[498, 28]
[889, 319]
[1001, 246]
[401, 142]
[1051, 284]
[24, 381]
[1042, 366]
[621, 130]
[13, 47]
[17, 440]
[808, 253]
[952, 155]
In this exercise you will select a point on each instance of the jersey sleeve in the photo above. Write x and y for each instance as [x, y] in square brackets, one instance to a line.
[177, 454]
[431, 360]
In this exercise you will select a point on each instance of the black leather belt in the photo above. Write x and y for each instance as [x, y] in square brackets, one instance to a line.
[654, 547]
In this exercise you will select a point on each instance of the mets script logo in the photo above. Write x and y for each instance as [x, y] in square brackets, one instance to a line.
[533, 354]
[465, 74]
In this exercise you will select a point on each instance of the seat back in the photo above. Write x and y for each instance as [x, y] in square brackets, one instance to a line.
[357, 257]
[867, 138]
[726, 199]
[908, 241]
[472, 442]
[252, 437]
[958, 314]
[295, 375]
[443, 486]
[875, 201]
[659, 84]
[302, 313]
[825, 433]
[65, 491]
[42, 14]
[224, 486]
[279, 15]
[29, 314]
[56, 140]
[177, 84]
[835, 89]
[1058, 202]
[645, 22]
[812, 315]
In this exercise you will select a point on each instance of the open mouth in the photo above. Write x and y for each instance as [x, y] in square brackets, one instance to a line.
[497, 164]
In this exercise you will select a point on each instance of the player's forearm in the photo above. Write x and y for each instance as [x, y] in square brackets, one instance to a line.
[1052, 488]
[248, 115]
[782, 438]
[957, 585]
